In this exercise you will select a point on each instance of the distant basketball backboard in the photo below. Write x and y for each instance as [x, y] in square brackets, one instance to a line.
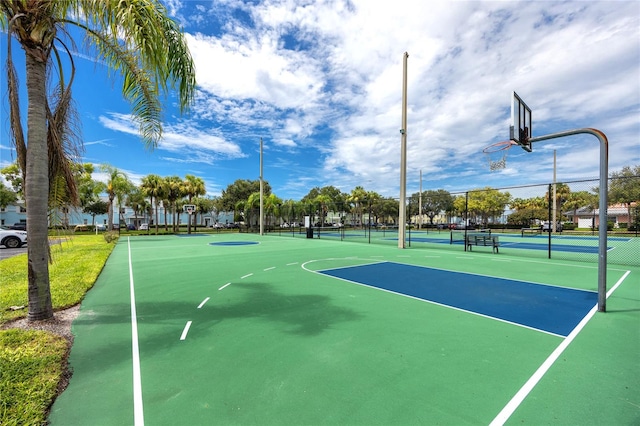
[520, 129]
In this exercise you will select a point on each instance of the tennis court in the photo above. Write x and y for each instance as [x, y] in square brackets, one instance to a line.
[621, 250]
[240, 329]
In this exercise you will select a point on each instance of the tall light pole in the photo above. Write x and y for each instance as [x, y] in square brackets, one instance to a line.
[403, 158]
[261, 194]
[420, 204]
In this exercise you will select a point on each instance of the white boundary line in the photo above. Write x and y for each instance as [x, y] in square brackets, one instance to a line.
[203, 302]
[517, 399]
[186, 330]
[138, 408]
[227, 284]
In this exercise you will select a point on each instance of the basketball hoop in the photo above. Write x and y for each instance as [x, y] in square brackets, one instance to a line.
[496, 154]
[189, 208]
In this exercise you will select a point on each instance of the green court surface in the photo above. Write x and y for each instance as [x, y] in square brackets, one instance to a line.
[253, 334]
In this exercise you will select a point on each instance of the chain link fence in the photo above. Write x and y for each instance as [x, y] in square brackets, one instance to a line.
[546, 221]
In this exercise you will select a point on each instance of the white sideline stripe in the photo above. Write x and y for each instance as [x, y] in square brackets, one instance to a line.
[203, 302]
[294, 263]
[246, 276]
[138, 408]
[268, 269]
[517, 399]
[185, 331]
[227, 284]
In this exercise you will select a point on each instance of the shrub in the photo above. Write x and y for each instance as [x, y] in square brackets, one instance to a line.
[111, 236]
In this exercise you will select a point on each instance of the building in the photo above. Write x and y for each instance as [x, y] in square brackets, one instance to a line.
[586, 217]
[17, 213]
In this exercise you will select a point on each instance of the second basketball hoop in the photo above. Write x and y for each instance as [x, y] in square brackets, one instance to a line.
[496, 154]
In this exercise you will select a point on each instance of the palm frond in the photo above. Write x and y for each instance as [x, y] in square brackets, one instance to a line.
[63, 133]
[17, 132]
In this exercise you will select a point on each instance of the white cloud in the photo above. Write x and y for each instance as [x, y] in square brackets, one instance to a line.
[327, 76]
[181, 138]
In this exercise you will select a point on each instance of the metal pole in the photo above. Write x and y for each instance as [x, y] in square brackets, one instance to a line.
[549, 219]
[261, 194]
[403, 156]
[420, 204]
[466, 218]
[555, 192]
[602, 211]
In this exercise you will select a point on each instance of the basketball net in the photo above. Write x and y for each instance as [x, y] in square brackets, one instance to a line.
[496, 154]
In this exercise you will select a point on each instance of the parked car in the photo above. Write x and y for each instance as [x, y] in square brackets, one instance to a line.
[19, 226]
[101, 227]
[546, 227]
[131, 227]
[144, 227]
[12, 238]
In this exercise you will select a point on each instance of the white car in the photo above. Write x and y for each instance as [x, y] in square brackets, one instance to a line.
[144, 227]
[11, 238]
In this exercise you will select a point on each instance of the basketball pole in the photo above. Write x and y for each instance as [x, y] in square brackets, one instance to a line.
[602, 208]
[403, 157]
[261, 194]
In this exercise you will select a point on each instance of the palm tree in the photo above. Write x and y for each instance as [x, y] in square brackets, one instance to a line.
[152, 186]
[134, 38]
[325, 203]
[173, 186]
[272, 205]
[358, 198]
[117, 184]
[192, 187]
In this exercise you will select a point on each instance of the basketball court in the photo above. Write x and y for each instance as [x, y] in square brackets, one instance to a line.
[249, 329]
[253, 329]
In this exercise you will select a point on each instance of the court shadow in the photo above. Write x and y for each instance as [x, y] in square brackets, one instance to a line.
[160, 323]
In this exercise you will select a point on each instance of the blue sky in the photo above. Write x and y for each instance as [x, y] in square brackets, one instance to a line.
[321, 83]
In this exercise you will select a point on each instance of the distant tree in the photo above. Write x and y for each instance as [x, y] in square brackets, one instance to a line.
[13, 175]
[7, 196]
[272, 205]
[152, 186]
[324, 203]
[488, 203]
[433, 202]
[95, 208]
[89, 189]
[136, 201]
[388, 209]
[624, 188]
[117, 186]
[192, 187]
[527, 210]
[358, 200]
[173, 191]
[240, 191]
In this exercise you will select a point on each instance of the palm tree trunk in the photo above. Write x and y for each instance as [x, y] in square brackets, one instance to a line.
[37, 193]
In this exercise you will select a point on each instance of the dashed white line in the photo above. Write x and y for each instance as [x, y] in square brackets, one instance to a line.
[268, 269]
[227, 284]
[203, 302]
[246, 276]
[185, 331]
[294, 263]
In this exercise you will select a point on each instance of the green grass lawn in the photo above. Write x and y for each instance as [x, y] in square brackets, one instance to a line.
[32, 362]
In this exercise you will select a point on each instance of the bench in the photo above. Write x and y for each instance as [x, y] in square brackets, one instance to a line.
[537, 230]
[483, 240]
